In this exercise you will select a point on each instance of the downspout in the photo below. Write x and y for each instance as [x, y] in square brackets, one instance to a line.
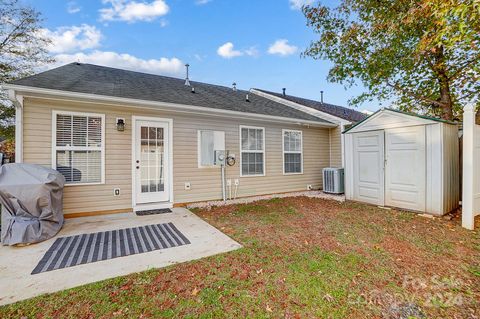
[330, 147]
[342, 143]
[18, 103]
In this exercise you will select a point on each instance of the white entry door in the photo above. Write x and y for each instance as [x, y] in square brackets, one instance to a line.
[405, 168]
[368, 167]
[151, 161]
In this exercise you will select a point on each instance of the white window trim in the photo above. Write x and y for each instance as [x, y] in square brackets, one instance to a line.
[199, 147]
[55, 148]
[248, 151]
[296, 152]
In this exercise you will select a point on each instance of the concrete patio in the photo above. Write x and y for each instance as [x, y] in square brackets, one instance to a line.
[17, 263]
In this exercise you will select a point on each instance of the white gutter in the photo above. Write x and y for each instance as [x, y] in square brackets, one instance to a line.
[127, 102]
[18, 103]
[303, 108]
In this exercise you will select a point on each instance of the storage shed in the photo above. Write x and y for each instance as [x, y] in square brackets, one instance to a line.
[403, 160]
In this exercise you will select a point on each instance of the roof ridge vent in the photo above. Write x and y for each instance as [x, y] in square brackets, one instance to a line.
[187, 80]
[247, 98]
[234, 86]
[321, 96]
[284, 91]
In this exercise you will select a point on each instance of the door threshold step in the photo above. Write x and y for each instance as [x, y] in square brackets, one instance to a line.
[153, 212]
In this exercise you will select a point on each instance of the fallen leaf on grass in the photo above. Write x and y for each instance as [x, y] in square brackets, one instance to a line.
[329, 298]
[267, 308]
[260, 271]
[195, 291]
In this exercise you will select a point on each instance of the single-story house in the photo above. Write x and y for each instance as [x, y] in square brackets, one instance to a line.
[403, 160]
[340, 115]
[127, 140]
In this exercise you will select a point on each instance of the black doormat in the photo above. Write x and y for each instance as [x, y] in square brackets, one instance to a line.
[153, 212]
[88, 248]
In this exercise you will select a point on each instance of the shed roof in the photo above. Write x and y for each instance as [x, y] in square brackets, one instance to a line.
[413, 115]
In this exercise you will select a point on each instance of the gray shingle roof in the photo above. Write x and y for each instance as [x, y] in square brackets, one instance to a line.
[335, 110]
[100, 80]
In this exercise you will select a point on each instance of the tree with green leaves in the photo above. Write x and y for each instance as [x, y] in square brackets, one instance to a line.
[23, 48]
[421, 55]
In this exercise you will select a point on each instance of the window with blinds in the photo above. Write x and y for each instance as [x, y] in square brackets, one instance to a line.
[292, 152]
[78, 147]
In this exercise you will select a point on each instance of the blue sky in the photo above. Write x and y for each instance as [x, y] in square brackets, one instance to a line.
[253, 43]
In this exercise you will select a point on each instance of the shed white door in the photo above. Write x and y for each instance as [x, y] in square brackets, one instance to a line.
[405, 168]
[368, 167]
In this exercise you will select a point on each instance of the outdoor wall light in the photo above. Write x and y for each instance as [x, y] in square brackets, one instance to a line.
[120, 124]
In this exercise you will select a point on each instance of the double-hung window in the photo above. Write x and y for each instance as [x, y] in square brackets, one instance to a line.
[252, 148]
[79, 146]
[292, 152]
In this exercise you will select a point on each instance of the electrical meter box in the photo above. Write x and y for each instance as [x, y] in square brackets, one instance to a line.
[220, 157]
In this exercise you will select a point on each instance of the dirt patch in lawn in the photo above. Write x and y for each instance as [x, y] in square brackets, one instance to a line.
[302, 258]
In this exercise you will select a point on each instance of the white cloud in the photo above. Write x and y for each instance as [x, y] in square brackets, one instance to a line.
[202, 2]
[164, 23]
[281, 47]
[252, 51]
[297, 4]
[68, 39]
[132, 11]
[227, 51]
[73, 7]
[170, 66]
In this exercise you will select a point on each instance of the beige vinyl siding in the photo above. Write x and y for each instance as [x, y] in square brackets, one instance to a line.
[336, 147]
[205, 182]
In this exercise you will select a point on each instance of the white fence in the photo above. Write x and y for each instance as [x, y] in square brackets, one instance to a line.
[471, 168]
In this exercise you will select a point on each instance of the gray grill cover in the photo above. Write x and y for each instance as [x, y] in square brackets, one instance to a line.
[31, 198]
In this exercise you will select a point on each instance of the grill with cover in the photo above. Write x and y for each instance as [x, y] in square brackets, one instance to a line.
[31, 197]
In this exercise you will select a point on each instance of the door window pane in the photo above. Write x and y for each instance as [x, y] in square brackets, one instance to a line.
[152, 159]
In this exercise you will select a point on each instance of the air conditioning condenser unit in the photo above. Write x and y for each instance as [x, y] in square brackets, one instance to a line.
[334, 180]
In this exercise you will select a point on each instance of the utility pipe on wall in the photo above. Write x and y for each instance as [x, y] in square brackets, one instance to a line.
[224, 193]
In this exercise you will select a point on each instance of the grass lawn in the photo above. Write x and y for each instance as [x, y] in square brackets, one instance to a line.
[302, 258]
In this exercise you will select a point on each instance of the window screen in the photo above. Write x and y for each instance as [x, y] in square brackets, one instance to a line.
[208, 143]
[79, 147]
[252, 151]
